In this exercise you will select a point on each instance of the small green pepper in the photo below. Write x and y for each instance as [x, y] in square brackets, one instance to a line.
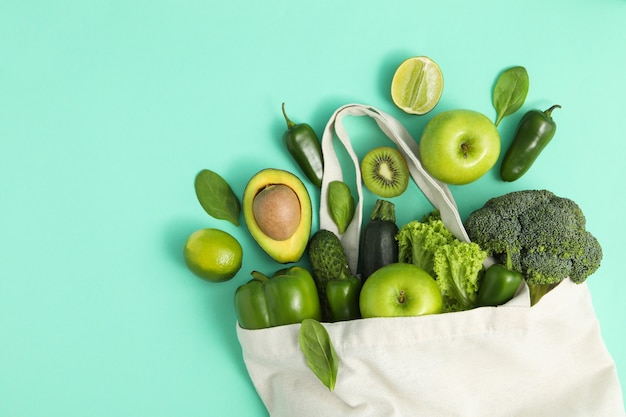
[288, 297]
[305, 148]
[534, 132]
[498, 285]
[343, 298]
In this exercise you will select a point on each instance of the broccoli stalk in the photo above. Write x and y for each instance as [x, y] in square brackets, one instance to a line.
[539, 290]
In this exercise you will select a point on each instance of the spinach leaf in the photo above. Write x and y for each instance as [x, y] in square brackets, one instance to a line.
[319, 352]
[216, 197]
[340, 204]
[510, 92]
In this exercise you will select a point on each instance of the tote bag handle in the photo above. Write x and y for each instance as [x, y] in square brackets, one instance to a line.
[435, 191]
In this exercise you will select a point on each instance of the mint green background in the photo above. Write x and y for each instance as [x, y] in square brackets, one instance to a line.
[108, 109]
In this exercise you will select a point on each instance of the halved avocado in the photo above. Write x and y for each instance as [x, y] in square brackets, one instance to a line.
[292, 248]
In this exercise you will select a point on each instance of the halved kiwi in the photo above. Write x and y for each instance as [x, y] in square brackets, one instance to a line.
[385, 172]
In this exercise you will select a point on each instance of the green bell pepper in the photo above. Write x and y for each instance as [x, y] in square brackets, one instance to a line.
[288, 297]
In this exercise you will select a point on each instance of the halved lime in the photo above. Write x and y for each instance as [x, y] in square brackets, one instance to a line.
[417, 85]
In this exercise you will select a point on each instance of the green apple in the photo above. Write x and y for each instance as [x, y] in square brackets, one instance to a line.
[459, 146]
[400, 289]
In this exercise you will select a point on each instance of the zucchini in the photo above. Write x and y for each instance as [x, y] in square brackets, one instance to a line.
[379, 246]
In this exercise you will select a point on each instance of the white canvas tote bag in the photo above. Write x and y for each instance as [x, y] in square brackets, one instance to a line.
[508, 361]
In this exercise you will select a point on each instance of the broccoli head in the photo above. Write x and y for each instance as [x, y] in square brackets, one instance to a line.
[588, 260]
[545, 235]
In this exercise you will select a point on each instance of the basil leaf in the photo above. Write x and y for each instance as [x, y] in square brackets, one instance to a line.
[319, 352]
[510, 92]
[216, 197]
[340, 204]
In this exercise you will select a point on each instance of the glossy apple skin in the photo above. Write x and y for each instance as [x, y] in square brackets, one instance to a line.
[398, 290]
[459, 146]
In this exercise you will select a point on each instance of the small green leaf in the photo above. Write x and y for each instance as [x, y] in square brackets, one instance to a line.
[216, 197]
[340, 204]
[510, 92]
[319, 352]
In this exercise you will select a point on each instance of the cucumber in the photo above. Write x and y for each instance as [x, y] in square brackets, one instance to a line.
[379, 246]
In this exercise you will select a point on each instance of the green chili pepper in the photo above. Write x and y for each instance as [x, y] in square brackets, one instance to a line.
[343, 298]
[498, 285]
[305, 148]
[534, 132]
[288, 297]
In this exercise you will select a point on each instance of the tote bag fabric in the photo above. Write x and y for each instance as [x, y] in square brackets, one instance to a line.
[508, 361]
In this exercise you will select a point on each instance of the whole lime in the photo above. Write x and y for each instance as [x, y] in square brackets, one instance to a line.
[213, 254]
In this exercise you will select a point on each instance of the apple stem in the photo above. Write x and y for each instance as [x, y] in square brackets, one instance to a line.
[465, 150]
[401, 297]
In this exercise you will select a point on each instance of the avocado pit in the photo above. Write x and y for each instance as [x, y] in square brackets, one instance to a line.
[276, 210]
[262, 208]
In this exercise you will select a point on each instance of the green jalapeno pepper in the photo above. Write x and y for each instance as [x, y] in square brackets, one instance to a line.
[499, 284]
[305, 148]
[534, 132]
[288, 297]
